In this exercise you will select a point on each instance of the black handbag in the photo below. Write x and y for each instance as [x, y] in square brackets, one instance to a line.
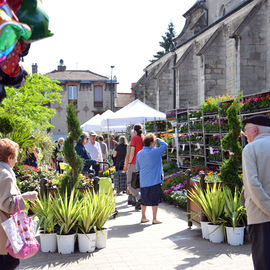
[135, 180]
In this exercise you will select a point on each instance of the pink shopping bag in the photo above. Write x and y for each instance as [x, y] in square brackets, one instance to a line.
[20, 230]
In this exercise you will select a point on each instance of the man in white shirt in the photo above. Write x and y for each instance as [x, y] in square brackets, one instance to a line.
[93, 148]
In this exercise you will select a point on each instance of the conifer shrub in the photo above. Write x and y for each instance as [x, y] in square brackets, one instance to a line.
[229, 171]
[70, 179]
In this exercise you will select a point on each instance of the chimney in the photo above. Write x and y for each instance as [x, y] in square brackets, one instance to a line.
[34, 68]
[61, 66]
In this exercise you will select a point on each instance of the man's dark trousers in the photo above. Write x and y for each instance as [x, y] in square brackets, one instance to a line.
[259, 235]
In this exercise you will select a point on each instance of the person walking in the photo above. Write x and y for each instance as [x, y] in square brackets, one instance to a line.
[119, 153]
[103, 147]
[149, 165]
[93, 148]
[256, 179]
[136, 145]
[9, 191]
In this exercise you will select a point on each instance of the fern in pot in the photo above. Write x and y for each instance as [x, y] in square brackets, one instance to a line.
[105, 204]
[43, 210]
[235, 215]
[67, 212]
[211, 201]
[87, 221]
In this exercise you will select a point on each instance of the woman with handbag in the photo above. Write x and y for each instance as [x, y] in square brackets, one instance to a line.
[9, 191]
[136, 145]
[149, 165]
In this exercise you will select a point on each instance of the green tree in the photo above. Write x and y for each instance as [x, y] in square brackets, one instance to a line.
[25, 113]
[167, 42]
[70, 180]
[31, 101]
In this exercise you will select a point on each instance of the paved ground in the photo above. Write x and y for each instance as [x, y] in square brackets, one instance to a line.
[167, 246]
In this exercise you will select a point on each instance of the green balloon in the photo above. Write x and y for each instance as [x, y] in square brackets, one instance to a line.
[30, 14]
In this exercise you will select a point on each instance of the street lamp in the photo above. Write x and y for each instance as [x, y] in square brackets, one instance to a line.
[112, 90]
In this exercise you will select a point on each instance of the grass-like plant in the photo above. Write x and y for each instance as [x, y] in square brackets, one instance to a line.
[89, 212]
[105, 204]
[67, 210]
[211, 201]
[235, 212]
[43, 209]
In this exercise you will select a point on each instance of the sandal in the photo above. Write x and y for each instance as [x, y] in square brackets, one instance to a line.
[144, 220]
[156, 222]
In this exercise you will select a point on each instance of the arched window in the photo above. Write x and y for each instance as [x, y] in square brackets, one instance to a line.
[222, 11]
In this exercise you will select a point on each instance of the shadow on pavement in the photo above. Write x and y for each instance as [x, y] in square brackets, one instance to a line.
[50, 260]
[200, 249]
[123, 231]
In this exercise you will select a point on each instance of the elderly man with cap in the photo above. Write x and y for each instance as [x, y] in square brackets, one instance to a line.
[93, 148]
[256, 178]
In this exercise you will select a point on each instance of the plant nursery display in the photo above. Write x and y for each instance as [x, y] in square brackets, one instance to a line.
[212, 202]
[43, 209]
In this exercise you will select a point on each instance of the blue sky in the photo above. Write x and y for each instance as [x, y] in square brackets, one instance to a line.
[96, 34]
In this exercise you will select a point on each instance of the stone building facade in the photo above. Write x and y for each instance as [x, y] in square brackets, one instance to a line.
[224, 48]
[91, 93]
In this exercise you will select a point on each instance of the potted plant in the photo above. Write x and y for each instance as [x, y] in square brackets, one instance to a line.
[211, 202]
[67, 212]
[105, 205]
[86, 223]
[43, 209]
[235, 214]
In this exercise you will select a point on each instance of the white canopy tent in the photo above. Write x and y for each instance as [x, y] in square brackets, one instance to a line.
[92, 124]
[133, 113]
[95, 124]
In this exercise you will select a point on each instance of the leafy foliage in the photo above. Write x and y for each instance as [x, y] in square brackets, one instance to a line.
[43, 209]
[5, 125]
[30, 101]
[235, 212]
[105, 204]
[211, 201]
[167, 42]
[230, 168]
[67, 210]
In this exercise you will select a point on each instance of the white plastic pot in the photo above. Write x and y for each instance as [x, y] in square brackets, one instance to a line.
[48, 242]
[235, 236]
[204, 227]
[101, 239]
[216, 234]
[87, 242]
[65, 243]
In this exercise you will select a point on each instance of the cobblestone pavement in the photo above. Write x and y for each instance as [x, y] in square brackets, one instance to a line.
[132, 245]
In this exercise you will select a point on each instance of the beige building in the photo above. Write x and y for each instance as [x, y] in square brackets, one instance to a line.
[92, 93]
[224, 48]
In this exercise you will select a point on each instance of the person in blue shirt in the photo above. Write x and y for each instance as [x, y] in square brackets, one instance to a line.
[149, 165]
[83, 153]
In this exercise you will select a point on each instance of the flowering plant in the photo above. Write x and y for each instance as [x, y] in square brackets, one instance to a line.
[109, 172]
[214, 140]
[210, 105]
[183, 138]
[182, 117]
[198, 161]
[195, 114]
[194, 126]
[171, 115]
[255, 103]
[216, 156]
[183, 128]
[211, 125]
[223, 106]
